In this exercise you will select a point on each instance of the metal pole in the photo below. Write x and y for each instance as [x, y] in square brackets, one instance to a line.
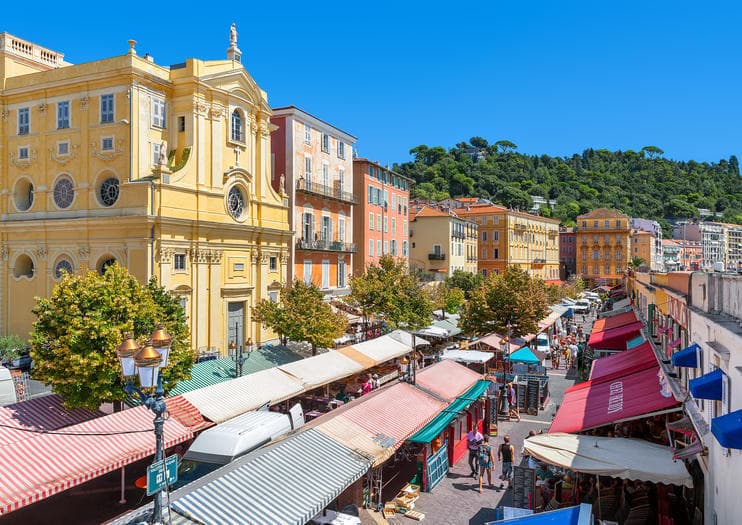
[156, 403]
[122, 500]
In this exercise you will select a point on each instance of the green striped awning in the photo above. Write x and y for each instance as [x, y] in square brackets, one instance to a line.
[209, 373]
[439, 423]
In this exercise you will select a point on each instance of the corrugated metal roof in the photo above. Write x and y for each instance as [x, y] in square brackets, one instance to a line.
[447, 379]
[216, 371]
[321, 369]
[396, 412]
[231, 398]
[357, 439]
[273, 485]
[382, 349]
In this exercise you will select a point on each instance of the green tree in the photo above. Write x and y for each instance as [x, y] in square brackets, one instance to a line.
[505, 146]
[464, 281]
[512, 297]
[79, 326]
[388, 291]
[301, 314]
[449, 300]
[637, 262]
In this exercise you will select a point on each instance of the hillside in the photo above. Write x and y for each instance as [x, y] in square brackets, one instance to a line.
[640, 184]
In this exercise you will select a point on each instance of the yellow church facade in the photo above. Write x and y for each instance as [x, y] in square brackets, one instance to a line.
[165, 170]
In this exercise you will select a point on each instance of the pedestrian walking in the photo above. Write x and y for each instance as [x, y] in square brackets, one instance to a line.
[513, 402]
[506, 455]
[486, 460]
[473, 440]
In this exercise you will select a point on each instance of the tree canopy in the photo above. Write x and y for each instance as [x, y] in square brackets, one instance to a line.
[512, 298]
[79, 326]
[301, 314]
[388, 291]
[640, 184]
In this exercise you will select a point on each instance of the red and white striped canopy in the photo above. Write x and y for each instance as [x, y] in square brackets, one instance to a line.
[39, 467]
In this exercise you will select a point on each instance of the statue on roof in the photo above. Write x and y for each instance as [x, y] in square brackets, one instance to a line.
[233, 35]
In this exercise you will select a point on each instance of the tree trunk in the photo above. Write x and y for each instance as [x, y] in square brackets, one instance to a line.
[314, 349]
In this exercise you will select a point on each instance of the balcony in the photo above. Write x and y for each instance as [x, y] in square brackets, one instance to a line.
[329, 192]
[326, 246]
[436, 256]
[519, 226]
[539, 261]
[458, 235]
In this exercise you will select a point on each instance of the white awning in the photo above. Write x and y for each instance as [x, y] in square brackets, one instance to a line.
[321, 369]
[433, 331]
[623, 303]
[467, 356]
[615, 457]
[381, 349]
[406, 338]
[229, 399]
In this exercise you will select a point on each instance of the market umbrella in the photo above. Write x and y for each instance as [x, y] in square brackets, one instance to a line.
[605, 456]
[524, 355]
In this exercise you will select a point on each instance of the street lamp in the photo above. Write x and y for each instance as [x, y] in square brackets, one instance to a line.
[146, 363]
[239, 356]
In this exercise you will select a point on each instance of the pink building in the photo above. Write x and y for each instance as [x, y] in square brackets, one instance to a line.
[380, 219]
[567, 253]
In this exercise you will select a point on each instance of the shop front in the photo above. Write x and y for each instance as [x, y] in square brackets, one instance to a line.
[444, 438]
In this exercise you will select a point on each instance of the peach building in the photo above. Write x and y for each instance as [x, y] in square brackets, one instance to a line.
[313, 170]
[380, 222]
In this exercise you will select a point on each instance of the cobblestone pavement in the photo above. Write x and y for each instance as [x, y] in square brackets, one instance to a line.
[456, 500]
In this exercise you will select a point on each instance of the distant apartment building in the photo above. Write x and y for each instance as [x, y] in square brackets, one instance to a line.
[567, 253]
[733, 246]
[643, 247]
[380, 218]
[655, 262]
[709, 234]
[313, 166]
[603, 245]
[514, 238]
[441, 242]
[691, 255]
[671, 255]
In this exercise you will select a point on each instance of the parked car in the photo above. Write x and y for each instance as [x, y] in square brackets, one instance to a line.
[7, 387]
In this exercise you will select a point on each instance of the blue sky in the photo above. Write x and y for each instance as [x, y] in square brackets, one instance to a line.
[554, 77]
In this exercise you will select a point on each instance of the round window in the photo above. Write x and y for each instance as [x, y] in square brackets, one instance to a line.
[23, 195]
[62, 267]
[109, 191]
[64, 193]
[236, 202]
[105, 263]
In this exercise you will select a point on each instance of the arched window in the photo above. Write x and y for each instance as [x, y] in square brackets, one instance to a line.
[238, 126]
[64, 265]
[104, 263]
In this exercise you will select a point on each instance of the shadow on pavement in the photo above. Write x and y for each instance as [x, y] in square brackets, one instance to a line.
[485, 514]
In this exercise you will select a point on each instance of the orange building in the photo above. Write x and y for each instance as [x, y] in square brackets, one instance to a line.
[514, 238]
[603, 246]
[380, 221]
[313, 165]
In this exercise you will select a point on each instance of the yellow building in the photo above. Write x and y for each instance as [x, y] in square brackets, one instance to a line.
[165, 170]
[441, 243]
[603, 246]
[643, 246]
[514, 238]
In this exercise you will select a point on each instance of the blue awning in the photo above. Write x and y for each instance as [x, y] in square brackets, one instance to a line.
[727, 429]
[633, 343]
[687, 357]
[288, 482]
[707, 386]
[524, 355]
[578, 515]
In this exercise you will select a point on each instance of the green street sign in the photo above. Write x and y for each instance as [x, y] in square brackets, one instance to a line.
[161, 474]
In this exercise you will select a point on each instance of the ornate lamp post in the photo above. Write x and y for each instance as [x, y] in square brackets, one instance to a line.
[240, 354]
[146, 363]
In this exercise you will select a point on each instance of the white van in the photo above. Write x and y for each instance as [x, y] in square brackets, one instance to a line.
[581, 306]
[7, 387]
[542, 343]
[234, 438]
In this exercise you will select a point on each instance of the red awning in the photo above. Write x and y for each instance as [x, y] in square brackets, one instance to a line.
[447, 379]
[609, 400]
[186, 414]
[41, 413]
[622, 363]
[44, 465]
[615, 338]
[606, 323]
[395, 413]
